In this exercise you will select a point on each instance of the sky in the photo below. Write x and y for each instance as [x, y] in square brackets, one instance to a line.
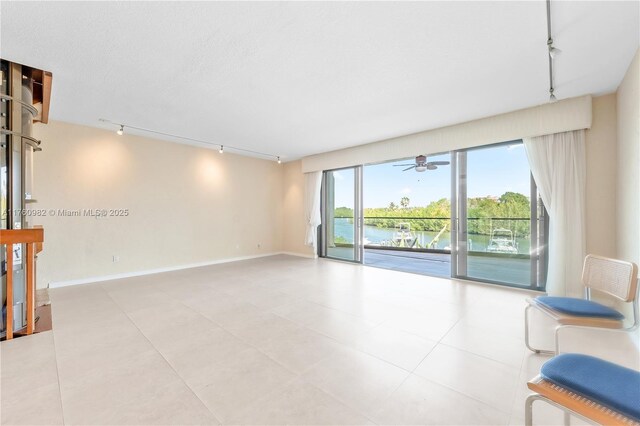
[490, 170]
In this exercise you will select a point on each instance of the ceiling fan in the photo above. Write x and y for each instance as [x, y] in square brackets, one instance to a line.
[421, 164]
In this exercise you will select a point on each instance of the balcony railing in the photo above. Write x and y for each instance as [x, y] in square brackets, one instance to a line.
[498, 236]
[33, 239]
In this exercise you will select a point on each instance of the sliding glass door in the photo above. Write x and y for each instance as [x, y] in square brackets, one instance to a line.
[342, 214]
[496, 232]
[500, 222]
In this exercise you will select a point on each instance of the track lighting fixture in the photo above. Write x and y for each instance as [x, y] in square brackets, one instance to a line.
[120, 131]
[553, 52]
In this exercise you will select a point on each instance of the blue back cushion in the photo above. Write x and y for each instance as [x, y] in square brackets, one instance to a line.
[579, 307]
[609, 384]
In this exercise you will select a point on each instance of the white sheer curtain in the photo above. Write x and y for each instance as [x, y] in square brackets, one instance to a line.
[312, 184]
[557, 163]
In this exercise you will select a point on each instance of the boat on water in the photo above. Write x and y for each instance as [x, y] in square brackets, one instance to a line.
[502, 241]
[403, 237]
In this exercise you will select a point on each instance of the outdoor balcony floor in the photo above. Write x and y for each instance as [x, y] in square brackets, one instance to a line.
[433, 264]
[492, 268]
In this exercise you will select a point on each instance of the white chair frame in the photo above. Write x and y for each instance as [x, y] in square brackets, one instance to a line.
[569, 321]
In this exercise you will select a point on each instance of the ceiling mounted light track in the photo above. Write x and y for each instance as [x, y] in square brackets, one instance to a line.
[120, 131]
[553, 52]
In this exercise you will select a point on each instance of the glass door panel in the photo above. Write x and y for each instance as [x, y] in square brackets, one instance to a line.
[342, 214]
[407, 216]
[496, 200]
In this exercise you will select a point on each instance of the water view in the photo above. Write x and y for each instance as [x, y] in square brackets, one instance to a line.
[406, 215]
[382, 236]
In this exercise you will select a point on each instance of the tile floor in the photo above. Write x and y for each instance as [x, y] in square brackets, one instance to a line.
[283, 340]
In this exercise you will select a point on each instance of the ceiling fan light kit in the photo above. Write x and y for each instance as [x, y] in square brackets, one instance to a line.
[422, 165]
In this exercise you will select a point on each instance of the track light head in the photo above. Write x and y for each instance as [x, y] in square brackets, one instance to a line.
[235, 150]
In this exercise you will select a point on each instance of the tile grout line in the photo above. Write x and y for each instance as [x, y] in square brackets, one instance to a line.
[437, 343]
[55, 353]
[463, 394]
[344, 345]
[515, 396]
[165, 360]
[511, 367]
[230, 333]
[510, 413]
[369, 331]
[299, 375]
[213, 322]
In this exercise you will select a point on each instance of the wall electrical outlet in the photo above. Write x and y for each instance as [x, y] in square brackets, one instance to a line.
[116, 258]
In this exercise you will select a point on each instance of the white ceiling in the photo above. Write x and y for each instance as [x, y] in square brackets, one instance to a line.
[294, 79]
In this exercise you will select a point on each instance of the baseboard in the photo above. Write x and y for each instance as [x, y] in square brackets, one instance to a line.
[306, 256]
[89, 280]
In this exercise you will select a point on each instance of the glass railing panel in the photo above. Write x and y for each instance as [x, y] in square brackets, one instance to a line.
[499, 250]
[407, 233]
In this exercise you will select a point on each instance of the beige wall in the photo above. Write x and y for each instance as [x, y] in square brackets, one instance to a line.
[191, 205]
[294, 224]
[601, 178]
[628, 162]
[187, 205]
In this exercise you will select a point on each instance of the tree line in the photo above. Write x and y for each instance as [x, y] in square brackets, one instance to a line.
[481, 213]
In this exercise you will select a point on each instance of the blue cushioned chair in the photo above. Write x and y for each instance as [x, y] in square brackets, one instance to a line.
[590, 388]
[609, 276]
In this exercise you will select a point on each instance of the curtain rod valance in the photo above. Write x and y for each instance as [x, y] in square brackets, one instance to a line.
[563, 116]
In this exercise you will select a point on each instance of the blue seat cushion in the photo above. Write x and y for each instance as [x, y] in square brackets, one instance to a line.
[608, 384]
[579, 307]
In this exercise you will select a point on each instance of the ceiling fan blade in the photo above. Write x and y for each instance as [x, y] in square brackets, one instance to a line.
[438, 163]
[431, 166]
[409, 168]
[402, 165]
